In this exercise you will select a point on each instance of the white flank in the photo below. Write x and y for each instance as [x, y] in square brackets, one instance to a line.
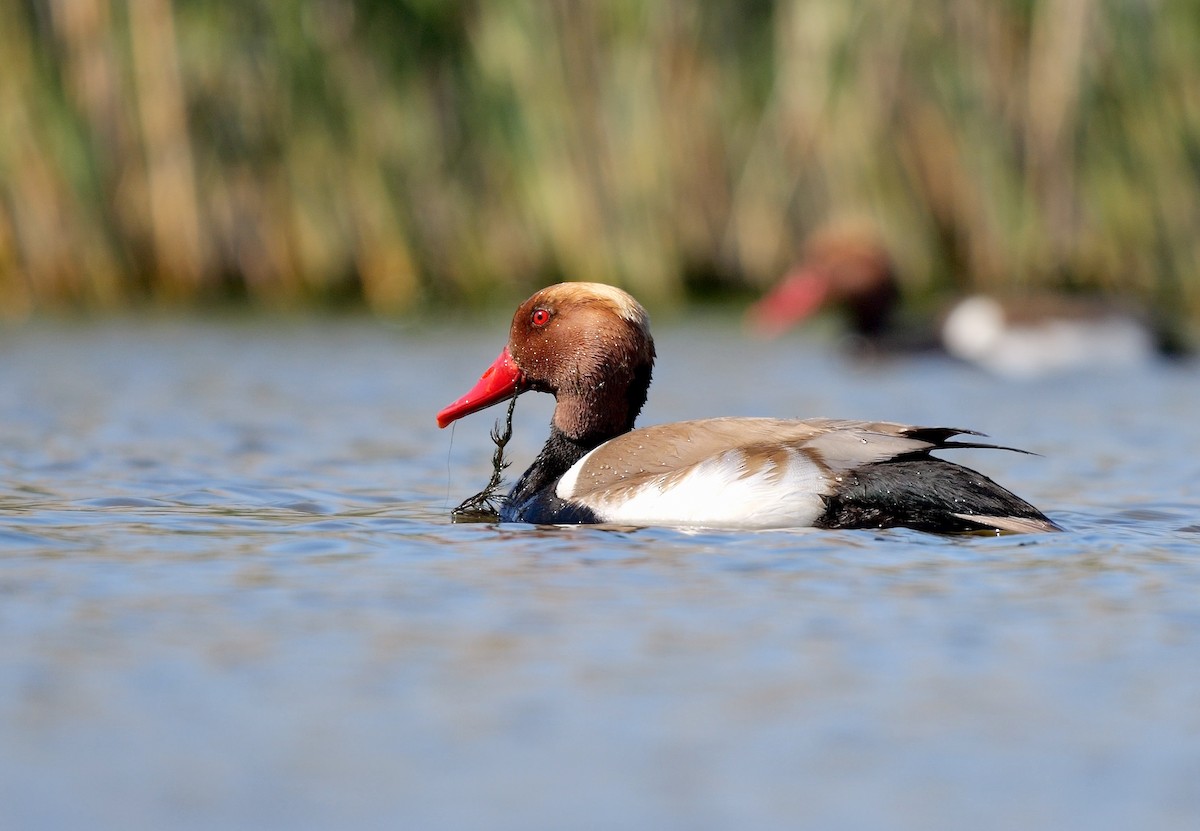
[976, 330]
[566, 482]
[716, 493]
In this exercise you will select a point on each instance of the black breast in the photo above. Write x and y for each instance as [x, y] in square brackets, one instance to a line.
[533, 498]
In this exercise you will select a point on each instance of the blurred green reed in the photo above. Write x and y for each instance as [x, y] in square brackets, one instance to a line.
[395, 153]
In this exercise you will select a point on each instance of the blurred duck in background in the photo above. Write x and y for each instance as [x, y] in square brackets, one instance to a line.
[849, 270]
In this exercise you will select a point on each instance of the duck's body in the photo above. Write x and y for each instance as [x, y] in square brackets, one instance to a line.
[1045, 335]
[767, 473]
[590, 345]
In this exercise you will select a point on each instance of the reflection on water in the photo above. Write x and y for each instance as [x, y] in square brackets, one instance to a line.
[231, 596]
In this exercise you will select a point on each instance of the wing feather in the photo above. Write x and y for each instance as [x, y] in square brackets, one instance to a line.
[664, 453]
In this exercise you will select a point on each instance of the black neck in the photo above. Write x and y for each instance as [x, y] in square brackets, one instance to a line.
[871, 314]
[556, 458]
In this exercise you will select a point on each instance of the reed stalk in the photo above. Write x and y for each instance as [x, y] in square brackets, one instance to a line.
[400, 153]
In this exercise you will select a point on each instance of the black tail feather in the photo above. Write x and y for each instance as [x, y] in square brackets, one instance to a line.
[923, 493]
[940, 437]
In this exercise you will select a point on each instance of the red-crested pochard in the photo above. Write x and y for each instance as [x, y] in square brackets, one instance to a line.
[850, 270]
[589, 346]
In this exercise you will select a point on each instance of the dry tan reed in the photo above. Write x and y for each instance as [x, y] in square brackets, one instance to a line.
[406, 152]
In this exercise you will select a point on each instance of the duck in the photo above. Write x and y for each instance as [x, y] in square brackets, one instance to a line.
[848, 269]
[589, 345]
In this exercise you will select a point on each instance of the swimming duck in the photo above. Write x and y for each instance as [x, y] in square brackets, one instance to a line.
[589, 345]
[1037, 334]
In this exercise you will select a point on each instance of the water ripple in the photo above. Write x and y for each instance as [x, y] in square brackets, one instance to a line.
[231, 596]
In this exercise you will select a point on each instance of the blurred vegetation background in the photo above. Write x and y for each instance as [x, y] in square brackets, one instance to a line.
[392, 153]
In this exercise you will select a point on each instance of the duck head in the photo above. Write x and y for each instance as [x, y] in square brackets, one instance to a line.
[588, 345]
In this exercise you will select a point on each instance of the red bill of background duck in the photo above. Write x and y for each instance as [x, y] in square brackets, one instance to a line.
[589, 346]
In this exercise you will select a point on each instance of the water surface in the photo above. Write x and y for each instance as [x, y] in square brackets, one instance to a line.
[230, 596]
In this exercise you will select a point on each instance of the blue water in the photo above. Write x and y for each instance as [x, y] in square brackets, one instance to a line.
[230, 597]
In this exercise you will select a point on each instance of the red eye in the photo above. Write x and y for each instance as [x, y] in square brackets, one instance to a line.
[540, 317]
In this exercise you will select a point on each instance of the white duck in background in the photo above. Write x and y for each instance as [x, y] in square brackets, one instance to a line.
[1024, 337]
